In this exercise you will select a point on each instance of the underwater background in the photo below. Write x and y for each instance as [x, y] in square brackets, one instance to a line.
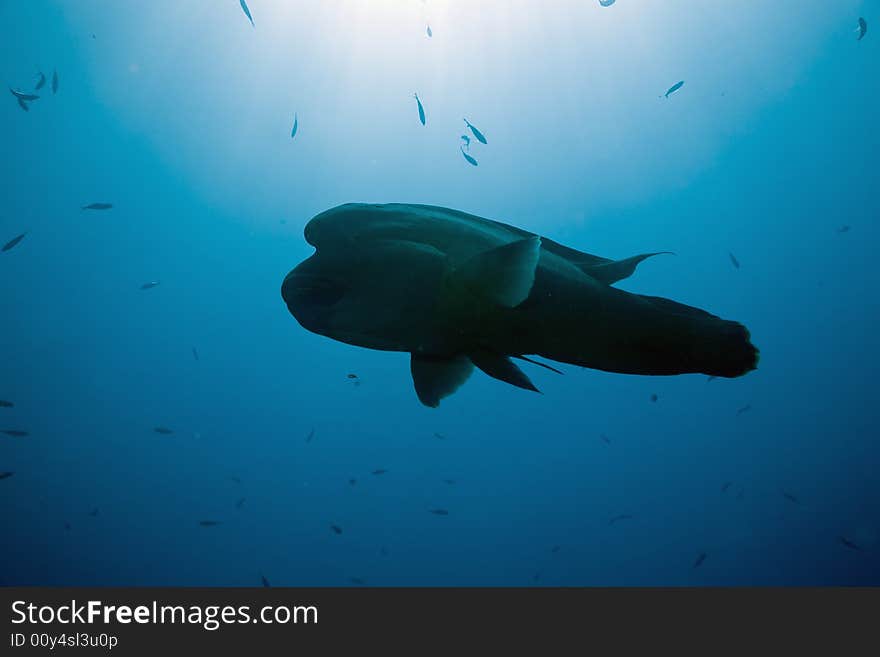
[760, 173]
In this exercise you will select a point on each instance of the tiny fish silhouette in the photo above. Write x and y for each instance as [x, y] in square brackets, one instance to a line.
[356, 580]
[247, 12]
[862, 28]
[439, 512]
[733, 260]
[555, 549]
[439, 436]
[352, 376]
[616, 519]
[67, 526]
[421, 109]
[430, 33]
[40, 82]
[476, 133]
[237, 480]
[605, 439]
[380, 471]
[15, 433]
[726, 485]
[15, 241]
[209, 523]
[791, 498]
[310, 436]
[450, 482]
[469, 159]
[295, 126]
[6, 404]
[741, 492]
[336, 529]
[265, 581]
[240, 503]
[848, 543]
[97, 206]
[674, 88]
[21, 95]
[352, 481]
[93, 512]
[654, 397]
[195, 353]
[6, 475]
[150, 285]
[744, 409]
[843, 229]
[163, 430]
[700, 559]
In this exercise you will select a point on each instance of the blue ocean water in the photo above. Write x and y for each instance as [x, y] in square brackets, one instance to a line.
[180, 114]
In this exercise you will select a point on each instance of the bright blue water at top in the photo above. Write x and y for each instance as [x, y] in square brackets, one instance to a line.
[179, 113]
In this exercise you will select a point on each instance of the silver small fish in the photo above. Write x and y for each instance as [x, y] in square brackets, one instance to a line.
[421, 109]
[40, 82]
[150, 285]
[295, 126]
[469, 159]
[674, 88]
[477, 133]
[97, 206]
[247, 12]
[11, 244]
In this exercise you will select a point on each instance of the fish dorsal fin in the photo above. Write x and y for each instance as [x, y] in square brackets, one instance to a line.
[616, 270]
[436, 378]
[503, 275]
[502, 368]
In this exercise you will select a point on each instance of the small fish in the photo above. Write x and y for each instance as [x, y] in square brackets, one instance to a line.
[6, 404]
[21, 95]
[733, 260]
[356, 580]
[380, 471]
[352, 481]
[209, 523]
[55, 78]
[295, 126]
[791, 498]
[247, 12]
[97, 206]
[726, 485]
[40, 82]
[421, 109]
[605, 439]
[654, 397]
[843, 229]
[11, 244]
[351, 376]
[6, 475]
[700, 559]
[15, 433]
[439, 436]
[744, 409]
[310, 436]
[537, 576]
[265, 581]
[674, 88]
[477, 133]
[470, 160]
[150, 285]
[439, 512]
[165, 431]
[555, 549]
[467, 141]
[235, 479]
[862, 29]
[336, 529]
[195, 353]
[240, 503]
[616, 519]
[607, 3]
[67, 527]
[94, 512]
[848, 543]
[450, 482]
[430, 33]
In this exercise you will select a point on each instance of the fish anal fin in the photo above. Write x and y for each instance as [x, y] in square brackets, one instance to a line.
[435, 378]
[503, 275]
[502, 368]
[616, 270]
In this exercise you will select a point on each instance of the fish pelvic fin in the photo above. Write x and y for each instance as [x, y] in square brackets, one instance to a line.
[500, 367]
[436, 378]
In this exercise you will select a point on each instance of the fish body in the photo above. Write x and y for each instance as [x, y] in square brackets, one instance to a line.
[421, 109]
[430, 32]
[470, 160]
[55, 80]
[700, 559]
[791, 498]
[15, 241]
[674, 88]
[862, 29]
[195, 353]
[94, 512]
[310, 436]
[15, 433]
[848, 543]
[476, 133]
[21, 95]
[6, 404]
[843, 229]
[744, 409]
[733, 260]
[616, 519]
[150, 285]
[380, 471]
[6, 475]
[247, 12]
[240, 502]
[457, 291]
[97, 206]
[265, 581]
[165, 431]
[295, 126]
[336, 529]
[40, 82]
[726, 485]
[439, 512]
[209, 523]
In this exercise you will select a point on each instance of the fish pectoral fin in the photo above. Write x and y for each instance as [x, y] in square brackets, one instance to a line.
[504, 275]
[502, 368]
[616, 270]
[436, 378]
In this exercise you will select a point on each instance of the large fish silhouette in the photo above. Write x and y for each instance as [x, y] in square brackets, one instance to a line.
[457, 291]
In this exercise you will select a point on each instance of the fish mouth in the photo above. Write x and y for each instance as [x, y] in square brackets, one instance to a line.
[306, 293]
